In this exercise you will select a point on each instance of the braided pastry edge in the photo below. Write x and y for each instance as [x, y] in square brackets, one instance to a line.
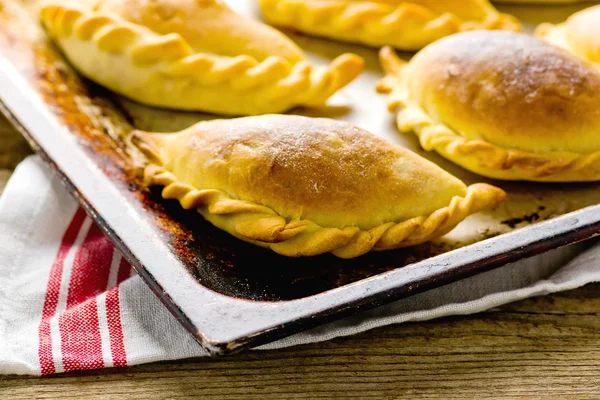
[378, 24]
[478, 156]
[554, 34]
[280, 81]
[262, 226]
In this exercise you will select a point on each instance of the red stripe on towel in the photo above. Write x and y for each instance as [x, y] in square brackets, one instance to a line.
[81, 342]
[115, 329]
[124, 271]
[52, 291]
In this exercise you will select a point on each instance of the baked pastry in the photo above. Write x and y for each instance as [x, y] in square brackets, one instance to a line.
[580, 33]
[406, 25]
[305, 186]
[550, 2]
[191, 55]
[501, 104]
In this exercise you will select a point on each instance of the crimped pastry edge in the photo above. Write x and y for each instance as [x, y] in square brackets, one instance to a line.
[478, 156]
[557, 35]
[378, 24]
[538, 2]
[284, 85]
[262, 226]
[553, 34]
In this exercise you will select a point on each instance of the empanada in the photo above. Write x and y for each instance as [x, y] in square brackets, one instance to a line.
[305, 186]
[580, 33]
[501, 104]
[191, 55]
[406, 25]
[550, 2]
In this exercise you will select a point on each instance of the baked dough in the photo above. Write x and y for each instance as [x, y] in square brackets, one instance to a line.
[501, 104]
[552, 2]
[191, 55]
[580, 33]
[305, 186]
[406, 25]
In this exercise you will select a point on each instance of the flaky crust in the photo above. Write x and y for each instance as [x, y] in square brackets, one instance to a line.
[166, 70]
[500, 104]
[406, 25]
[579, 34]
[304, 186]
[552, 2]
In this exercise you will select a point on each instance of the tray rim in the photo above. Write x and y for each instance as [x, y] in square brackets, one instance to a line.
[225, 324]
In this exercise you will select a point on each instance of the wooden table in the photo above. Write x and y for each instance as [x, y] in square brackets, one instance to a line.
[541, 347]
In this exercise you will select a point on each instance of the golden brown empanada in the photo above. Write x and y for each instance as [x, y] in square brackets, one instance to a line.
[305, 186]
[406, 25]
[501, 104]
[580, 33]
[551, 2]
[191, 55]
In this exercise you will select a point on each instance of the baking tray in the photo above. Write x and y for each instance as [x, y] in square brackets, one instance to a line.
[229, 294]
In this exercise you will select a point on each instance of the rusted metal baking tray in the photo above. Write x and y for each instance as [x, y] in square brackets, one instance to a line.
[231, 295]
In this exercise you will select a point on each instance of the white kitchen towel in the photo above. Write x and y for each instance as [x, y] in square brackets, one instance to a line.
[68, 301]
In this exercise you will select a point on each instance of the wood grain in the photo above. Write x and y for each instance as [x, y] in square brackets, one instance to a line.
[537, 348]
[13, 148]
[4, 175]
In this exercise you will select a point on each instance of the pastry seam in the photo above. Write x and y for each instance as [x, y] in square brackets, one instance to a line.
[375, 20]
[438, 136]
[263, 226]
[172, 56]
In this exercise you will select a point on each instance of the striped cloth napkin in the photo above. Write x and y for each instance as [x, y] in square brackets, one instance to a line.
[69, 301]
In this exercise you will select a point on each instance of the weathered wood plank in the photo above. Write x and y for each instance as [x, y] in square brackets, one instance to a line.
[4, 175]
[13, 148]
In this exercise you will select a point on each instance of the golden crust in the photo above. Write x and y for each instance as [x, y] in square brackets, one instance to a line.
[305, 186]
[208, 26]
[503, 105]
[406, 25]
[166, 70]
[552, 2]
[579, 34]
